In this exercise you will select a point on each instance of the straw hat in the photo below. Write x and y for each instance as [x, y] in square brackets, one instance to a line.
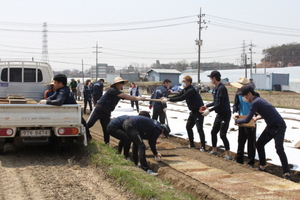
[240, 83]
[119, 80]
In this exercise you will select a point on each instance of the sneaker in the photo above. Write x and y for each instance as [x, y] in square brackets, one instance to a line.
[149, 171]
[213, 153]
[287, 176]
[260, 169]
[228, 158]
[249, 165]
[191, 146]
[202, 149]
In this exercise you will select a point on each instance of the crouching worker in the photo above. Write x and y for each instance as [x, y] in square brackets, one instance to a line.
[62, 95]
[139, 128]
[115, 129]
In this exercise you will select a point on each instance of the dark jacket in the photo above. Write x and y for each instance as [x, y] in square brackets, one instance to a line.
[62, 96]
[87, 93]
[159, 92]
[221, 100]
[192, 97]
[97, 88]
[236, 104]
[109, 100]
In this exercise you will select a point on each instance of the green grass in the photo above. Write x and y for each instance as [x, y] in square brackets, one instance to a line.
[135, 180]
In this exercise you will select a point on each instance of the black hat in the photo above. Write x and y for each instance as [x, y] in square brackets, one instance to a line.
[167, 129]
[245, 90]
[214, 74]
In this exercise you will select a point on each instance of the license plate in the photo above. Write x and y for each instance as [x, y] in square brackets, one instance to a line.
[35, 133]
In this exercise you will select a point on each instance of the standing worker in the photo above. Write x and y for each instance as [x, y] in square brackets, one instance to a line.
[107, 103]
[194, 102]
[97, 90]
[73, 87]
[275, 127]
[251, 83]
[159, 109]
[87, 95]
[134, 91]
[79, 90]
[241, 107]
[221, 106]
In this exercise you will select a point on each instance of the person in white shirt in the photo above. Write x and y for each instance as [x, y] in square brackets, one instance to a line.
[134, 91]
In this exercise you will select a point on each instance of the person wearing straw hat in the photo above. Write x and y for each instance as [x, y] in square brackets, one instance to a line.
[244, 133]
[107, 103]
[50, 91]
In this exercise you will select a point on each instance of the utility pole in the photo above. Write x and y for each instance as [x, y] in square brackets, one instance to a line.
[251, 63]
[199, 41]
[97, 52]
[244, 58]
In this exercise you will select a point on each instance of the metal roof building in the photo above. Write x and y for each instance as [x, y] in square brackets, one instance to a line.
[161, 74]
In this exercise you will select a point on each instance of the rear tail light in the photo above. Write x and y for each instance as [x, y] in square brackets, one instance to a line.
[6, 132]
[67, 131]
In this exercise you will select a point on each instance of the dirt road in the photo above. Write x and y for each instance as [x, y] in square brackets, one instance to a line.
[39, 173]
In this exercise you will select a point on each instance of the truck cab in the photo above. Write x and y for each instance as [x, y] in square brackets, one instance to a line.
[31, 76]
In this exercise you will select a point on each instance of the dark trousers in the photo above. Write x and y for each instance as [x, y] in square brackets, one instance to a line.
[121, 135]
[276, 133]
[85, 105]
[158, 112]
[195, 118]
[104, 118]
[87, 130]
[74, 91]
[96, 97]
[221, 124]
[136, 104]
[244, 135]
[139, 148]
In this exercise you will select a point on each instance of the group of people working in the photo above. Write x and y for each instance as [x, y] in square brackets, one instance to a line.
[136, 128]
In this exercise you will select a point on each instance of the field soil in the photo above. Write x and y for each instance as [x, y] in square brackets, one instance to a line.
[174, 146]
[39, 173]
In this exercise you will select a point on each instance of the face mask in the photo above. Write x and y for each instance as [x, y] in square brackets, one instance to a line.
[245, 99]
[184, 85]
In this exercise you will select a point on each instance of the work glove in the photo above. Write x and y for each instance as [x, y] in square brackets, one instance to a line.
[164, 100]
[235, 116]
[150, 106]
[206, 112]
[44, 101]
[165, 110]
[158, 157]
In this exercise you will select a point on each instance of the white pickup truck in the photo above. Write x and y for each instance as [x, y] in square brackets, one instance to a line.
[31, 123]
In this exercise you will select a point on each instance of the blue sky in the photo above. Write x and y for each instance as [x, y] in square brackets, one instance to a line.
[74, 27]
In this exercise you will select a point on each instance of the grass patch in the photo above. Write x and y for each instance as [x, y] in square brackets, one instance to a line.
[132, 178]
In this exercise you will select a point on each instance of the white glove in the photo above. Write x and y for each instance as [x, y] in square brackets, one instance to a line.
[158, 157]
[164, 100]
[44, 101]
[206, 112]
[165, 109]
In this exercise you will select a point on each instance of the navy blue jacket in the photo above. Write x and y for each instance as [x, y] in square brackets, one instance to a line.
[97, 88]
[221, 100]
[149, 129]
[159, 92]
[62, 96]
[265, 109]
[192, 97]
[109, 100]
[87, 93]
[118, 122]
